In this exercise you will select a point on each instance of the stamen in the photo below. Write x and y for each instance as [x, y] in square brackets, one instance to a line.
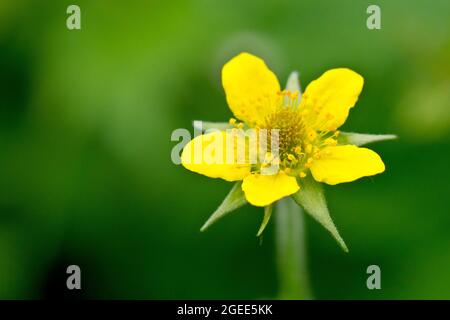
[308, 148]
[330, 142]
[299, 143]
[309, 162]
[290, 127]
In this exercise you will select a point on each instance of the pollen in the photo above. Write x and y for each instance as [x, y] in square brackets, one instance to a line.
[330, 142]
[311, 135]
[308, 148]
[309, 162]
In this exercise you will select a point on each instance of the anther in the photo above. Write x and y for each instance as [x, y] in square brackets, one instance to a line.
[308, 148]
[330, 142]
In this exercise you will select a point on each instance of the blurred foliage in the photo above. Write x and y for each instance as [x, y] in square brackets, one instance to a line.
[85, 170]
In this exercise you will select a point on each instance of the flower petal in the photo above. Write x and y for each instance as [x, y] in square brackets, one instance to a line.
[345, 163]
[262, 190]
[251, 88]
[328, 99]
[214, 156]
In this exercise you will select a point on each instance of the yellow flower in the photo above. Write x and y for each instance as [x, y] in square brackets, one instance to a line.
[307, 132]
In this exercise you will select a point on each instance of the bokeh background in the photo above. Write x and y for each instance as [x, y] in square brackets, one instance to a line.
[85, 172]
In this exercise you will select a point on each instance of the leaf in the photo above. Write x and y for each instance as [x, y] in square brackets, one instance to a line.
[359, 139]
[312, 199]
[232, 201]
[206, 125]
[267, 214]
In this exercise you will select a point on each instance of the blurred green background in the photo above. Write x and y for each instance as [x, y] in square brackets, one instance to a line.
[85, 172]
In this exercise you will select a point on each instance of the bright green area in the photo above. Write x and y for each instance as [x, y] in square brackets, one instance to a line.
[85, 124]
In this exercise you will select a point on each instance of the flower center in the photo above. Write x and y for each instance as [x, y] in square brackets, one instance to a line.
[291, 142]
[289, 124]
[298, 143]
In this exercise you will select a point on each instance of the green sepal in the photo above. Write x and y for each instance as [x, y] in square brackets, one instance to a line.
[267, 214]
[293, 82]
[312, 199]
[293, 85]
[232, 201]
[207, 125]
[359, 139]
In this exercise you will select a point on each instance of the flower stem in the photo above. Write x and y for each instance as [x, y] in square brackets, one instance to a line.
[291, 251]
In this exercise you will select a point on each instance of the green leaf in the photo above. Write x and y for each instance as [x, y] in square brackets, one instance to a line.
[206, 125]
[359, 139]
[312, 199]
[232, 201]
[267, 214]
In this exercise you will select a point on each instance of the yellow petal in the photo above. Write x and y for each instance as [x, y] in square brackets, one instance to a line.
[251, 88]
[328, 99]
[345, 163]
[215, 155]
[261, 190]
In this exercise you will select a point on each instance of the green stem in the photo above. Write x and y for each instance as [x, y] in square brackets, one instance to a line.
[291, 251]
